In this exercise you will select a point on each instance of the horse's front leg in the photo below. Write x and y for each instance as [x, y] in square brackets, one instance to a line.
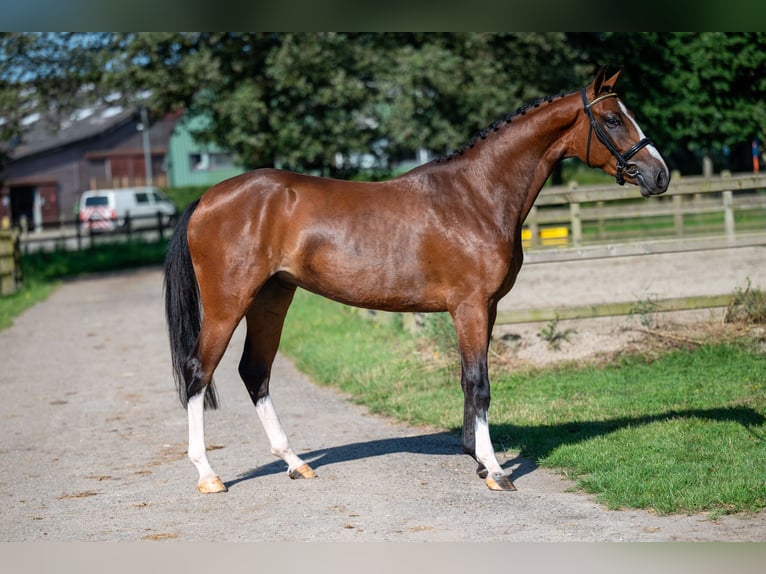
[473, 324]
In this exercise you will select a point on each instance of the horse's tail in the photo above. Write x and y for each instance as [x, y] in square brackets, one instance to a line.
[182, 307]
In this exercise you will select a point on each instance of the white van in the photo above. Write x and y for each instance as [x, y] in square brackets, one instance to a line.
[107, 209]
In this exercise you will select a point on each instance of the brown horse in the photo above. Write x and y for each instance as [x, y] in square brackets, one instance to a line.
[445, 236]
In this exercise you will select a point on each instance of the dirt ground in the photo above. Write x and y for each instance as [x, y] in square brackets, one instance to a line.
[94, 445]
[637, 279]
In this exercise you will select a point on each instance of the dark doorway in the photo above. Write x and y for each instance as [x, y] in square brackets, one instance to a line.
[23, 205]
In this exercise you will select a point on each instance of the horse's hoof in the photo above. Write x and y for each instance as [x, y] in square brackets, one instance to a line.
[211, 485]
[482, 471]
[499, 481]
[303, 471]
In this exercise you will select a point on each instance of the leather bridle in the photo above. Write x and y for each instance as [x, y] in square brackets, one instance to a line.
[622, 158]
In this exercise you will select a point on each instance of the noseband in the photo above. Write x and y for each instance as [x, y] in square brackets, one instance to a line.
[622, 159]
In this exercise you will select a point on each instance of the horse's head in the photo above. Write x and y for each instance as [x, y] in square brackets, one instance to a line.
[619, 146]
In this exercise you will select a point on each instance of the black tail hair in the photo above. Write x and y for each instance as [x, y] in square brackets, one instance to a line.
[182, 307]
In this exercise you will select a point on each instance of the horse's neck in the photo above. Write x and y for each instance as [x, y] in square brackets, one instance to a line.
[519, 160]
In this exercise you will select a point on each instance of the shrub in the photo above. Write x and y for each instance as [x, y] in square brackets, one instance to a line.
[746, 306]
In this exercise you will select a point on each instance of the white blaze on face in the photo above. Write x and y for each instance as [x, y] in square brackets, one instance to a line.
[652, 150]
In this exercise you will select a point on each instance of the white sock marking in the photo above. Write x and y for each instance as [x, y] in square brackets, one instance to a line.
[280, 446]
[197, 449]
[485, 452]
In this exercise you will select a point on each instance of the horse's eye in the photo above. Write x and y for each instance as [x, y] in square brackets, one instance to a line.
[613, 121]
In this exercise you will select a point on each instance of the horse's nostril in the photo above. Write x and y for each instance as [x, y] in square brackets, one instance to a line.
[662, 180]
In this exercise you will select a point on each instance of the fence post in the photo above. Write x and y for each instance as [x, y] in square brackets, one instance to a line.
[78, 232]
[24, 233]
[128, 225]
[727, 197]
[601, 220]
[10, 262]
[534, 227]
[576, 221]
[160, 227]
[18, 266]
[728, 214]
[678, 215]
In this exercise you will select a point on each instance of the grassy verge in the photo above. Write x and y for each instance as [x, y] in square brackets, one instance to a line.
[11, 306]
[682, 433]
[43, 271]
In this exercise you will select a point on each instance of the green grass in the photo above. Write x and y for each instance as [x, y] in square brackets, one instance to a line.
[53, 265]
[11, 306]
[683, 433]
[326, 341]
[183, 196]
[663, 226]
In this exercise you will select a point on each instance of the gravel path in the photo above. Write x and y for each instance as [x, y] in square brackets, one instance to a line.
[636, 278]
[94, 449]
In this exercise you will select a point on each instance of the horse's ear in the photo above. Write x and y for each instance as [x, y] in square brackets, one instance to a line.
[608, 85]
[599, 81]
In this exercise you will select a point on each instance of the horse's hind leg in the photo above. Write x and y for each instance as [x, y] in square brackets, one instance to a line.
[209, 482]
[213, 338]
[223, 308]
[264, 328]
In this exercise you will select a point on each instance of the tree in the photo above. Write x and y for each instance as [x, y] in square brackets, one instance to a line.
[721, 79]
[45, 74]
[304, 100]
[441, 88]
[295, 99]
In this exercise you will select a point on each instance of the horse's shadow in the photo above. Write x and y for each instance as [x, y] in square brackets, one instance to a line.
[443, 443]
[534, 442]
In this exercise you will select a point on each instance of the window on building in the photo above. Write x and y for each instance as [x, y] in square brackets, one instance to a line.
[207, 161]
[221, 160]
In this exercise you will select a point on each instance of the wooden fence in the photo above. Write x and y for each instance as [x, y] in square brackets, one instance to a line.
[692, 208]
[72, 236]
[10, 262]
[570, 223]
[514, 316]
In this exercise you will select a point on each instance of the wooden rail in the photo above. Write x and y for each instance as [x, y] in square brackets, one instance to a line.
[72, 236]
[609, 309]
[574, 206]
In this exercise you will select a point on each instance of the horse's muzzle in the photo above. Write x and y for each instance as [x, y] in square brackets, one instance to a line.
[651, 180]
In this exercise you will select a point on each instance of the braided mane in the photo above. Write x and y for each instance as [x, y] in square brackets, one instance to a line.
[498, 124]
